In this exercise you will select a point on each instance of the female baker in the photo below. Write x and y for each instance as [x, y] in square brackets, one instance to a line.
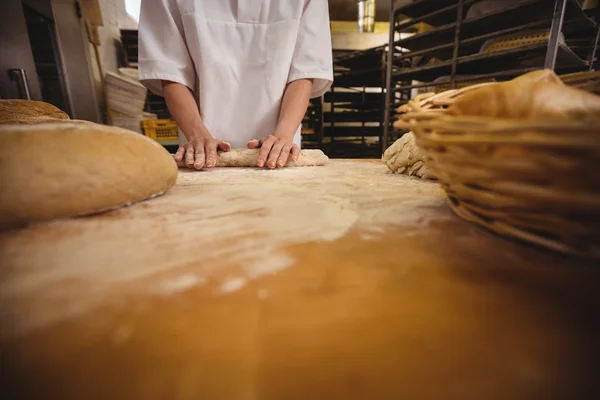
[236, 72]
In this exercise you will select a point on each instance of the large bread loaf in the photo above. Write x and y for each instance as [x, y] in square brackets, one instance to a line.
[50, 171]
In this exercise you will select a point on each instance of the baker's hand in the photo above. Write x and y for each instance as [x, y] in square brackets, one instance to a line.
[201, 152]
[274, 151]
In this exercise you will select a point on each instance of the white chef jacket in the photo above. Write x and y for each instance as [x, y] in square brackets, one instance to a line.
[237, 56]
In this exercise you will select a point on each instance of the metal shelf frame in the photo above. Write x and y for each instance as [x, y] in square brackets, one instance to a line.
[449, 39]
[355, 105]
[314, 119]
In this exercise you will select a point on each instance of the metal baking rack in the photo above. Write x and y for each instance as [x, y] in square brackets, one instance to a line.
[312, 125]
[352, 108]
[451, 48]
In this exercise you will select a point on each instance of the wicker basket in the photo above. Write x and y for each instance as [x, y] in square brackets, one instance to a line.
[438, 101]
[533, 181]
[442, 84]
[589, 80]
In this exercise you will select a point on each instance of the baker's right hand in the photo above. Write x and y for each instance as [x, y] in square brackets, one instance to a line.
[201, 152]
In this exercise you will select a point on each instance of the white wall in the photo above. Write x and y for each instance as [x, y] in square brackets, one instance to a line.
[109, 34]
[115, 17]
[128, 12]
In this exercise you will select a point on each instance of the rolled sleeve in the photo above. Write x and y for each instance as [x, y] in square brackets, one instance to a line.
[312, 55]
[163, 52]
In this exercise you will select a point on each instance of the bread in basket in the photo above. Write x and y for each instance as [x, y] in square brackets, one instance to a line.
[519, 158]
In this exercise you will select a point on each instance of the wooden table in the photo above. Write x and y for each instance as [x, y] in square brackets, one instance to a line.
[337, 282]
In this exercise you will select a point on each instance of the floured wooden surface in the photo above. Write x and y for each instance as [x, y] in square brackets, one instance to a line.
[327, 282]
[211, 220]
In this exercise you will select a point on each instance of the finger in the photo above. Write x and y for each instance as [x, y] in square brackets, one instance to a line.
[295, 152]
[275, 152]
[283, 157]
[253, 144]
[264, 151]
[179, 154]
[200, 159]
[180, 164]
[210, 146]
[224, 146]
[199, 155]
[189, 156]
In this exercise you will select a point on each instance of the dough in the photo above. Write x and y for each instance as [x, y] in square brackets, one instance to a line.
[28, 111]
[537, 95]
[404, 157]
[52, 171]
[249, 158]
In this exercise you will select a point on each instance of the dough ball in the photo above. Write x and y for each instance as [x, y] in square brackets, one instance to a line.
[28, 111]
[50, 171]
[405, 157]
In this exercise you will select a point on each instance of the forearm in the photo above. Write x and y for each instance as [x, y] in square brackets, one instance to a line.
[184, 110]
[293, 107]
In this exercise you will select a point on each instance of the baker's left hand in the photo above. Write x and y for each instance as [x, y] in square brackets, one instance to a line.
[274, 151]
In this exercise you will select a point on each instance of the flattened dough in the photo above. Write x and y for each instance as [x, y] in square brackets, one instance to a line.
[249, 158]
[404, 157]
[50, 171]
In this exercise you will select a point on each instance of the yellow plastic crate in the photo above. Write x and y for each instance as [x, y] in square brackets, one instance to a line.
[160, 129]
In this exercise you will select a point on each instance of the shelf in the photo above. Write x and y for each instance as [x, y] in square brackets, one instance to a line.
[352, 97]
[355, 115]
[352, 131]
[129, 34]
[499, 76]
[412, 66]
[361, 59]
[474, 44]
[446, 14]
[359, 107]
[487, 63]
[360, 68]
[352, 149]
[509, 17]
[513, 15]
[351, 116]
[502, 75]
[420, 8]
[366, 78]
[129, 39]
[468, 46]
